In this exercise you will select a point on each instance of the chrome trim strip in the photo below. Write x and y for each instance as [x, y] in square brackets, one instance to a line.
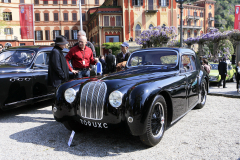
[92, 100]
[89, 84]
[22, 101]
[184, 114]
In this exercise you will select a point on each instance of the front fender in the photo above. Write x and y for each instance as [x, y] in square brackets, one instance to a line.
[63, 107]
[137, 106]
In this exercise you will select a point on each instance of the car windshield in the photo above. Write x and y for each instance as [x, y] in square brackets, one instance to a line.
[5, 55]
[23, 56]
[167, 58]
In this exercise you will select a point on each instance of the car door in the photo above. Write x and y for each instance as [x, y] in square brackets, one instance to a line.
[17, 85]
[41, 90]
[179, 93]
[192, 80]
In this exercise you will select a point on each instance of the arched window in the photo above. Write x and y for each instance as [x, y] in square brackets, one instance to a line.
[150, 26]
[137, 30]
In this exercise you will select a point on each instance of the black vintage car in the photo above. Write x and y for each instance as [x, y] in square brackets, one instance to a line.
[23, 76]
[157, 88]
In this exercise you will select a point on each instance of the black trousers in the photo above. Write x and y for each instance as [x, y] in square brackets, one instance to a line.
[237, 79]
[223, 78]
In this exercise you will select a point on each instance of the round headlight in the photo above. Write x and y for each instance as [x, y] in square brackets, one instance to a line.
[115, 98]
[70, 95]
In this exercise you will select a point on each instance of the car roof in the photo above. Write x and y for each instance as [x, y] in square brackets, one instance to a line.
[36, 48]
[180, 50]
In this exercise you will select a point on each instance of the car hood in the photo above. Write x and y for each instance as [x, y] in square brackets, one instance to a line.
[214, 73]
[12, 68]
[137, 75]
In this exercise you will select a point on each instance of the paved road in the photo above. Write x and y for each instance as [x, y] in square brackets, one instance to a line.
[210, 133]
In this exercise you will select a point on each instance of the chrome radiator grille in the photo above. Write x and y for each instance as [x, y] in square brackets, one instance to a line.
[92, 100]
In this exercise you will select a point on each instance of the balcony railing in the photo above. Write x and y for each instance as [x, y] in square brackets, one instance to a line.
[210, 28]
[196, 17]
[211, 18]
[111, 26]
[190, 17]
[190, 27]
[151, 8]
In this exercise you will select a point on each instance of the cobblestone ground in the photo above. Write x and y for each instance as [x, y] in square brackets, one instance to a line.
[213, 132]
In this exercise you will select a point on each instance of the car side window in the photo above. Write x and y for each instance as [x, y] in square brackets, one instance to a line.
[188, 64]
[135, 61]
[42, 59]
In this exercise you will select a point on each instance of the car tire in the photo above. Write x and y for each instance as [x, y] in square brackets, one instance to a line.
[203, 95]
[74, 126]
[156, 122]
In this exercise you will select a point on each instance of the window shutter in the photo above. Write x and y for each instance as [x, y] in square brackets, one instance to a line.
[133, 2]
[41, 35]
[167, 2]
[5, 31]
[159, 2]
[35, 35]
[53, 34]
[141, 2]
[10, 16]
[2, 1]
[11, 30]
[60, 32]
[9, 1]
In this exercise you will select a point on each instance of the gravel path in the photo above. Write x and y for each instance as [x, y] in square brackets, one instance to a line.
[213, 132]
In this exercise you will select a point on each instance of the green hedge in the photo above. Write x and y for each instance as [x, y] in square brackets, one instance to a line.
[115, 46]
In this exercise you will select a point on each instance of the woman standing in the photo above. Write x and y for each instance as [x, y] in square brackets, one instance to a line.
[58, 71]
[238, 75]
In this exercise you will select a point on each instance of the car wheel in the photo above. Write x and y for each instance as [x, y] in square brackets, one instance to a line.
[74, 125]
[156, 122]
[203, 92]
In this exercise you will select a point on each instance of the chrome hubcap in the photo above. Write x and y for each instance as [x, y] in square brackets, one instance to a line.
[157, 121]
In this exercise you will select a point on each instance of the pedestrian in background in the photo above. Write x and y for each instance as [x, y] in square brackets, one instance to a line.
[238, 75]
[89, 44]
[206, 66]
[99, 67]
[124, 55]
[1, 48]
[111, 62]
[58, 71]
[102, 60]
[222, 69]
[234, 58]
[92, 68]
[81, 57]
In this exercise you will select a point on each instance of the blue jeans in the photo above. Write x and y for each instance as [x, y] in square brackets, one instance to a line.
[81, 74]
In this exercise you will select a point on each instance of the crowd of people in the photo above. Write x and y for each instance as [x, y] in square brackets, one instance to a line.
[222, 69]
[82, 57]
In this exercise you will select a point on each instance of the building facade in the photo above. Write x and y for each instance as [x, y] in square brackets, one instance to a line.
[51, 18]
[105, 20]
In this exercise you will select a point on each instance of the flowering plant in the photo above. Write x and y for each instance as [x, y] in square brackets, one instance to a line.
[156, 36]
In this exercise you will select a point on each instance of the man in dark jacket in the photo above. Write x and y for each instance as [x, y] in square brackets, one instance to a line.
[102, 61]
[124, 55]
[58, 71]
[222, 69]
[110, 60]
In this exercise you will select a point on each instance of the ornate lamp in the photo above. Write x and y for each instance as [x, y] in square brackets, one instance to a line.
[181, 12]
